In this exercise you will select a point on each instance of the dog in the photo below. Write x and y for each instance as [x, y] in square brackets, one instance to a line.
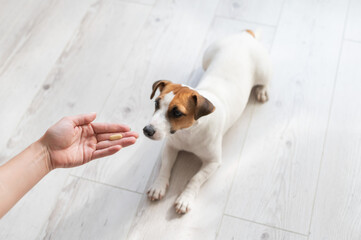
[195, 120]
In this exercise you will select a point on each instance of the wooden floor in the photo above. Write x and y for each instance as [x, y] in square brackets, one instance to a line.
[291, 167]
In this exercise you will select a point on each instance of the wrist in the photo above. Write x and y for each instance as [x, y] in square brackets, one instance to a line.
[44, 154]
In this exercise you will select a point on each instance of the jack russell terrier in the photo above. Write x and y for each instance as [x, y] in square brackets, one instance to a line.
[195, 120]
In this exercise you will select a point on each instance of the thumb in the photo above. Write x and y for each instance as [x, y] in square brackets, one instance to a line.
[83, 119]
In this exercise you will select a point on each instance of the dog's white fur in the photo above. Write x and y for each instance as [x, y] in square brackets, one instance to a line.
[233, 66]
[159, 118]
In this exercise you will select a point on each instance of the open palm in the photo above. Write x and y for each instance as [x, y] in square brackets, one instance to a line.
[74, 140]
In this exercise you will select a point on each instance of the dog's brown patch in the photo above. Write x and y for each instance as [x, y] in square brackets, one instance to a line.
[251, 32]
[186, 101]
[183, 103]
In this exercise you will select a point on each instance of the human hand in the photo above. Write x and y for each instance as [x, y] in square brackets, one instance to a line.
[75, 140]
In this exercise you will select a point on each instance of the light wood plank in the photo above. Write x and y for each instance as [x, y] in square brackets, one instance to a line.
[236, 229]
[15, 30]
[146, 2]
[167, 49]
[257, 11]
[337, 208]
[276, 180]
[88, 210]
[159, 220]
[353, 27]
[26, 219]
[30, 44]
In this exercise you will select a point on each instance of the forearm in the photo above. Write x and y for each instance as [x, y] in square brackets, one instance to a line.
[21, 173]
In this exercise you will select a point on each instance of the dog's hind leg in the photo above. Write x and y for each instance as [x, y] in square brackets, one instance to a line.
[261, 93]
[263, 75]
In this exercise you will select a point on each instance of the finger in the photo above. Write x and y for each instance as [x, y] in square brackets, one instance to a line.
[106, 136]
[83, 119]
[124, 142]
[106, 152]
[110, 127]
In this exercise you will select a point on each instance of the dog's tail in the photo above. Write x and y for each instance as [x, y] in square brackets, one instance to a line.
[256, 34]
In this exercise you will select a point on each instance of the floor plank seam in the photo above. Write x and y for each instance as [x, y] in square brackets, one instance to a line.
[43, 228]
[276, 28]
[329, 114]
[278, 24]
[266, 225]
[195, 65]
[281, 11]
[13, 54]
[351, 40]
[105, 184]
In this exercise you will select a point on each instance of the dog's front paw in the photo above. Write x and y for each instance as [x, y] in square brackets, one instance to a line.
[157, 190]
[184, 203]
[261, 94]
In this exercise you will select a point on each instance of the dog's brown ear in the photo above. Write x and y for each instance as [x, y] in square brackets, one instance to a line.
[203, 106]
[158, 84]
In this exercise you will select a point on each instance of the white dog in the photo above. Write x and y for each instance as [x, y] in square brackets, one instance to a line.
[195, 120]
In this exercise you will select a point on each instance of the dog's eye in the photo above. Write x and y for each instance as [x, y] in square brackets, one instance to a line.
[176, 113]
[156, 104]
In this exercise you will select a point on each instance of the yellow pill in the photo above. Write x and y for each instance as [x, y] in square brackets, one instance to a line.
[115, 137]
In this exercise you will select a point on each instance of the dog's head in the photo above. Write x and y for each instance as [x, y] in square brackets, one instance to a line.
[177, 107]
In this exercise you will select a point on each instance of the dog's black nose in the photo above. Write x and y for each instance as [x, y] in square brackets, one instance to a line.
[148, 130]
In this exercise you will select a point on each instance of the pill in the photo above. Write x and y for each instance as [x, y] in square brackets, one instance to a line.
[115, 137]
